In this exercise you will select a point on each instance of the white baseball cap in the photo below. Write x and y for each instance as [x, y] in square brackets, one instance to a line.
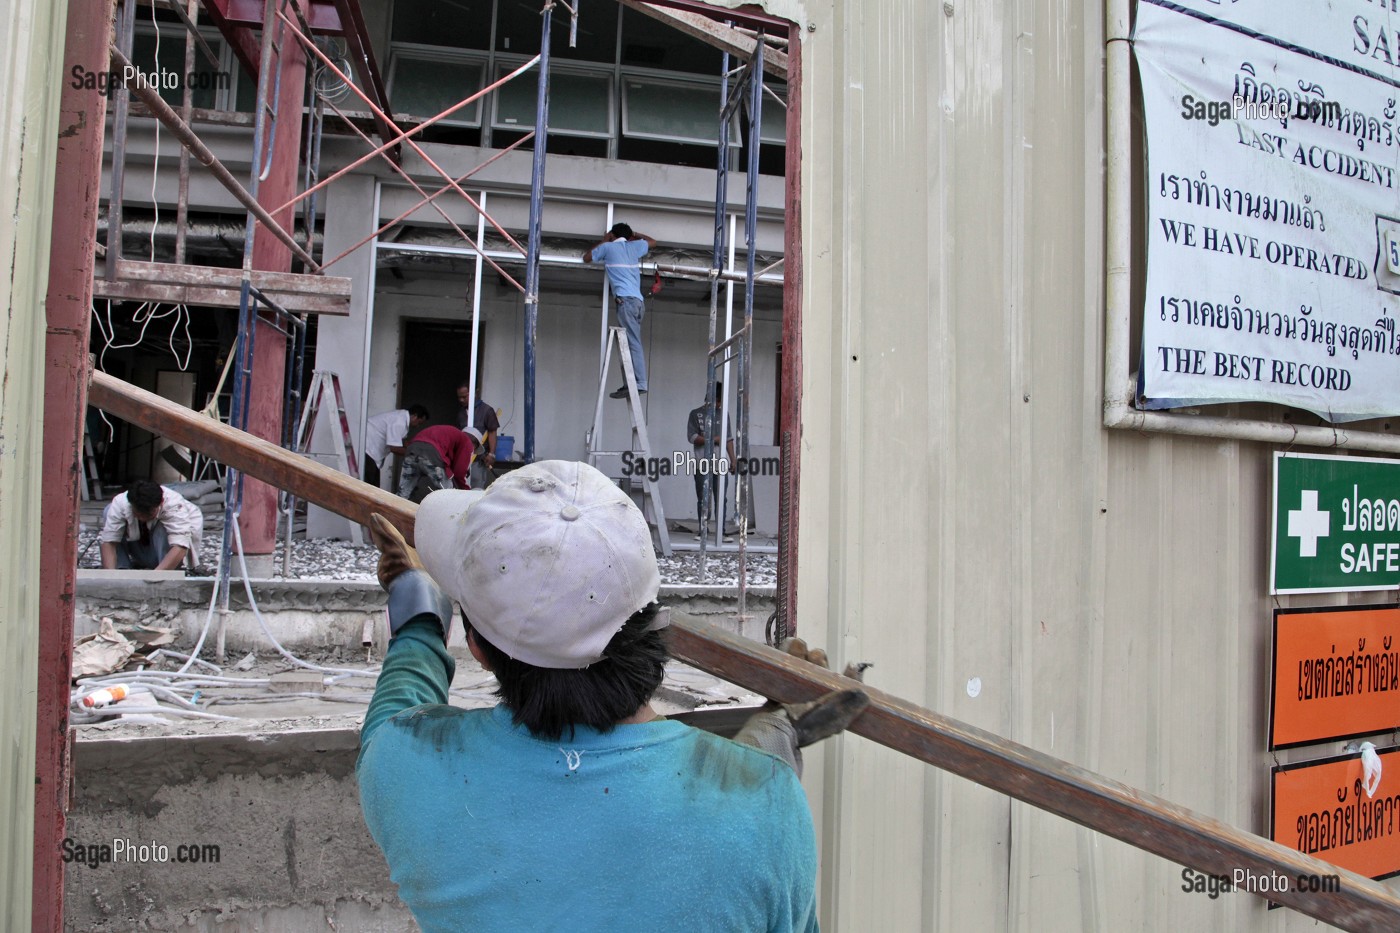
[473, 433]
[547, 563]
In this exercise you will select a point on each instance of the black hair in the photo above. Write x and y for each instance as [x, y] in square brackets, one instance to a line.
[621, 230]
[464, 384]
[144, 496]
[418, 411]
[550, 701]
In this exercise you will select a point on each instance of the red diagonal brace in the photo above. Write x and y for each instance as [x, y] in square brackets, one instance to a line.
[362, 56]
[311, 47]
[339, 173]
[426, 200]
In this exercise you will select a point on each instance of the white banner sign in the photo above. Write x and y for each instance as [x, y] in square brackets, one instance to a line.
[1273, 258]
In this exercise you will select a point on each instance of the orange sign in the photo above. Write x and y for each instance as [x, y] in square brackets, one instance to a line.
[1336, 674]
[1321, 809]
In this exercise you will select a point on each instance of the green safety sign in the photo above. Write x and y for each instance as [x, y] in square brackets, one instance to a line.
[1336, 524]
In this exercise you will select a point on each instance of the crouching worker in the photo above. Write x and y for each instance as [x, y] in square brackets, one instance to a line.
[149, 527]
[571, 805]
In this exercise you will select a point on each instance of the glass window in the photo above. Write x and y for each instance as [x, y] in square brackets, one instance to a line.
[648, 43]
[423, 85]
[465, 24]
[580, 104]
[166, 71]
[518, 31]
[672, 111]
[772, 129]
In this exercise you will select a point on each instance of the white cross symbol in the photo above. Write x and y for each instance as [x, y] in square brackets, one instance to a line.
[1308, 524]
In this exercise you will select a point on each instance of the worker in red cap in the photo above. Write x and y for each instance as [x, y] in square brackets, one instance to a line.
[572, 804]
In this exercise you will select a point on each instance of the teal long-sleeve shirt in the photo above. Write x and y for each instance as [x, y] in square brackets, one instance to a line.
[416, 671]
[646, 827]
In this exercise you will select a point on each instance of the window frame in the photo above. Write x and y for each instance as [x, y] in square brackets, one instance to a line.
[412, 51]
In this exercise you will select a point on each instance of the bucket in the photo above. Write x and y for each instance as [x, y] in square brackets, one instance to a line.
[505, 446]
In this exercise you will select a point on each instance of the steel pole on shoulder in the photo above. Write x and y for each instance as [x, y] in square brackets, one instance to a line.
[716, 261]
[746, 352]
[532, 247]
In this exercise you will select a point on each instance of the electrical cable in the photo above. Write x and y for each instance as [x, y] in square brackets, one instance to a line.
[257, 614]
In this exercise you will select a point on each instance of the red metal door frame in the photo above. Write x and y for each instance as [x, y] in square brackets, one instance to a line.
[82, 116]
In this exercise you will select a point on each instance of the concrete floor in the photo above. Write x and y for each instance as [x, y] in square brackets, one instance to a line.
[271, 787]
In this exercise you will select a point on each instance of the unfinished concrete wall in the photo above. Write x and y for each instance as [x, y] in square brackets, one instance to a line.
[31, 60]
[282, 811]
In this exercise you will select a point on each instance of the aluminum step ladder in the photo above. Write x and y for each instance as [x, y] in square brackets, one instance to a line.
[322, 380]
[641, 446]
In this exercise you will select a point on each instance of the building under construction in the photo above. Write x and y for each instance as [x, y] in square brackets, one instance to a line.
[903, 236]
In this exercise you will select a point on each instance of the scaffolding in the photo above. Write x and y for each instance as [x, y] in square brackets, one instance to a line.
[738, 346]
[280, 302]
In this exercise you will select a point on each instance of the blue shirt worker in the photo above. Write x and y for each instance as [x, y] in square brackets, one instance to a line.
[571, 805]
[621, 252]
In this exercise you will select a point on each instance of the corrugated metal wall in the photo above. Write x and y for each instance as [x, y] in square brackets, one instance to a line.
[31, 57]
[964, 514]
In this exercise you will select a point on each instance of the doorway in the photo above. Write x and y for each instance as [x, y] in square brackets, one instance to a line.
[436, 356]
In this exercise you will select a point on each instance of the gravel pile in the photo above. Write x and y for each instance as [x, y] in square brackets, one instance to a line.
[328, 559]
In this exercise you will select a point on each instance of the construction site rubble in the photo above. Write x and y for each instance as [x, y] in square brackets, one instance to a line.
[334, 559]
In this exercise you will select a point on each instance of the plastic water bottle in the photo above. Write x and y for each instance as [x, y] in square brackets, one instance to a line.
[105, 696]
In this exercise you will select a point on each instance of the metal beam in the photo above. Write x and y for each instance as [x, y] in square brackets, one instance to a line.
[321, 15]
[362, 57]
[708, 30]
[790, 388]
[239, 37]
[191, 140]
[68, 316]
[748, 14]
[1138, 818]
[193, 31]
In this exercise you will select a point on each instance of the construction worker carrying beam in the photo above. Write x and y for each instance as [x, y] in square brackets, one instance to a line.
[621, 251]
[572, 804]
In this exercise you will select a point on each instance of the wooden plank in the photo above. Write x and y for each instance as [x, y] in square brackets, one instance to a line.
[1138, 818]
[220, 288]
[714, 33]
[172, 273]
[264, 460]
[198, 296]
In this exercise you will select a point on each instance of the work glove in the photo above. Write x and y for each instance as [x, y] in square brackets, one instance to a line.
[412, 592]
[782, 730]
[396, 556]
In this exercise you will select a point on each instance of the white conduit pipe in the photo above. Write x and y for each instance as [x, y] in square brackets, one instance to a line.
[248, 589]
[1118, 388]
[157, 711]
[196, 680]
[191, 658]
[213, 599]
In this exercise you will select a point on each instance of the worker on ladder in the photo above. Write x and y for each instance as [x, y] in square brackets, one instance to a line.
[572, 804]
[621, 252]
